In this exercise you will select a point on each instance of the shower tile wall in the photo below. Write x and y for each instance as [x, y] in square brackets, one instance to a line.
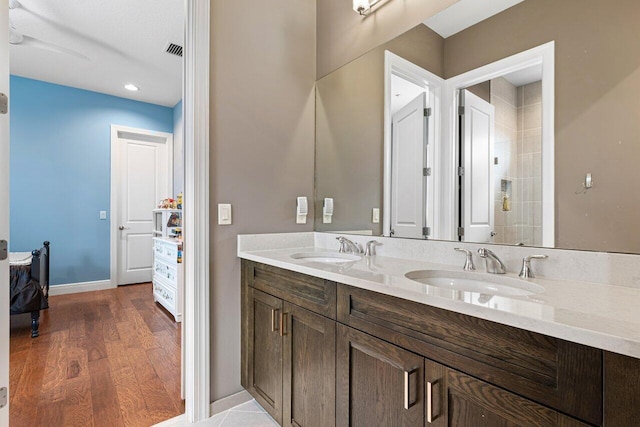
[518, 140]
[504, 97]
[529, 159]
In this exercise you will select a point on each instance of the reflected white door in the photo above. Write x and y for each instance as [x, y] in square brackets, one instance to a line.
[408, 160]
[144, 178]
[477, 192]
[4, 209]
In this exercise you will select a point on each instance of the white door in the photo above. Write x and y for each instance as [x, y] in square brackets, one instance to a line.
[4, 210]
[408, 160]
[477, 190]
[144, 178]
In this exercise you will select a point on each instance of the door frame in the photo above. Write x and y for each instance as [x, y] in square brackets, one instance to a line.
[541, 55]
[117, 134]
[196, 361]
[400, 67]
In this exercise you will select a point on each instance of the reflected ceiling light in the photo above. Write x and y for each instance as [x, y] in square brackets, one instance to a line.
[131, 87]
[363, 6]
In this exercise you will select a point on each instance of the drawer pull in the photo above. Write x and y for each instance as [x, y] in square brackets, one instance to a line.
[283, 319]
[429, 402]
[407, 388]
[274, 315]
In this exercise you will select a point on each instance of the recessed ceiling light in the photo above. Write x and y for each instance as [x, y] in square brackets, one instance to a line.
[131, 87]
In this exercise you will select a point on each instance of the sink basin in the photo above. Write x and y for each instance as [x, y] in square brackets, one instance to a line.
[475, 282]
[326, 257]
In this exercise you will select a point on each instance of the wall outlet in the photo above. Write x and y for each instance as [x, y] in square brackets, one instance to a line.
[103, 215]
[375, 216]
[224, 214]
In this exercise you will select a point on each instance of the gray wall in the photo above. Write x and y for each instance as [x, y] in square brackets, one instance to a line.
[263, 65]
[350, 130]
[343, 35]
[597, 108]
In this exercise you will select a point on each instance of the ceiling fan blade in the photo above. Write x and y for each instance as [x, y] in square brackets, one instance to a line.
[40, 44]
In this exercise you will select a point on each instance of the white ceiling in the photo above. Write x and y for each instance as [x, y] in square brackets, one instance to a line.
[466, 13]
[525, 76]
[108, 43]
[403, 92]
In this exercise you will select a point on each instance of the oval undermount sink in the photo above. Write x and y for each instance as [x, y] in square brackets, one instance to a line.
[326, 257]
[475, 282]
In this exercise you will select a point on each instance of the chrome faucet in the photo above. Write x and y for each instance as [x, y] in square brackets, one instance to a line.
[348, 247]
[527, 272]
[494, 265]
[468, 264]
[370, 249]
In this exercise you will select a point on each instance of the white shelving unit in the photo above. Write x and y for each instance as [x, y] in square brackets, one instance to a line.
[162, 227]
[168, 275]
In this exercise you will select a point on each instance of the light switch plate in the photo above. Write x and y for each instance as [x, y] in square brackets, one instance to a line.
[103, 214]
[224, 214]
[375, 216]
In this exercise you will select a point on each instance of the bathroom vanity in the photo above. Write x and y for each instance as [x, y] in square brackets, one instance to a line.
[357, 343]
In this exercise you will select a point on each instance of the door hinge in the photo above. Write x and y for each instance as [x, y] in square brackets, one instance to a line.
[461, 111]
[461, 231]
[426, 172]
[3, 397]
[4, 103]
[3, 250]
[426, 231]
[461, 171]
[427, 112]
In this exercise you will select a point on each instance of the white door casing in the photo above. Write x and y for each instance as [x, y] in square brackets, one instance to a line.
[142, 168]
[4, 208]
[477, 189]
[408, 160]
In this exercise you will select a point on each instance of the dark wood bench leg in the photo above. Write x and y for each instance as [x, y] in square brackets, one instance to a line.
[35, 324]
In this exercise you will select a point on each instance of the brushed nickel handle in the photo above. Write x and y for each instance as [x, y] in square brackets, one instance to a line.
[283, 319]
[274, 315]
[407, 389]
[429, 402]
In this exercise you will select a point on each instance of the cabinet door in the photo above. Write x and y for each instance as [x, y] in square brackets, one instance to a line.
[454, 399]
[309, 368]
[378, 384]
[265, 352]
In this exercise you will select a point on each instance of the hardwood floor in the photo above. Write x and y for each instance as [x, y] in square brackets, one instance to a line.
[107, 358]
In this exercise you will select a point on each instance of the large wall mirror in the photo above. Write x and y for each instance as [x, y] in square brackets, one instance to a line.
[521, 129]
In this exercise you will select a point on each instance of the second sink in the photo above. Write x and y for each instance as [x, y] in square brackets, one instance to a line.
[475, 282]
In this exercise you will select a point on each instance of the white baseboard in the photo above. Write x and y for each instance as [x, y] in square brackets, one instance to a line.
[216, 407]
[76, 288]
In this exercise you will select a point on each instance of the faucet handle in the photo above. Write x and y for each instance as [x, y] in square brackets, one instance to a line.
[527, 272]
[343, 244]
[468, 264]
[370, 249]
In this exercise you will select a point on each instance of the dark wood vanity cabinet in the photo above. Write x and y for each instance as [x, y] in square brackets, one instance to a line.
[378, 384]
[317, 353]
[288, 352]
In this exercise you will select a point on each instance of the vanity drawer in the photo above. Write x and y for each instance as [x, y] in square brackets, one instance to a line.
[168, 273]
[541, 368]
[314, 294]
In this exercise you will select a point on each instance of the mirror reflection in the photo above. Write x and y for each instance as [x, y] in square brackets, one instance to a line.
[518, 130]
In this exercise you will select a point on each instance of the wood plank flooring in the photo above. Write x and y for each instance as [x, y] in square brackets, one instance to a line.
[107, 358]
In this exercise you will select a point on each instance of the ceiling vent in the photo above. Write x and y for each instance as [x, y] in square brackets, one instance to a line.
[174, 49]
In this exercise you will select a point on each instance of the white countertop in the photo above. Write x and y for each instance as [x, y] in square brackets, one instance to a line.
[597, 315]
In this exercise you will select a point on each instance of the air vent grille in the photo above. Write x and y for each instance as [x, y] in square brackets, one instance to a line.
[174, 49]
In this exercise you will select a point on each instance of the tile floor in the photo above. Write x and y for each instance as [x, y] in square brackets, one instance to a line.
[248, 414]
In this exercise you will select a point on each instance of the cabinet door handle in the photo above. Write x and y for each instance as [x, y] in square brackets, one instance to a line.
[429, 402]
[283, 319]
[407, 388]
[274, 316]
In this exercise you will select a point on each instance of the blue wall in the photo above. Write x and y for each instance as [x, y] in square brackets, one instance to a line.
[60, 172]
